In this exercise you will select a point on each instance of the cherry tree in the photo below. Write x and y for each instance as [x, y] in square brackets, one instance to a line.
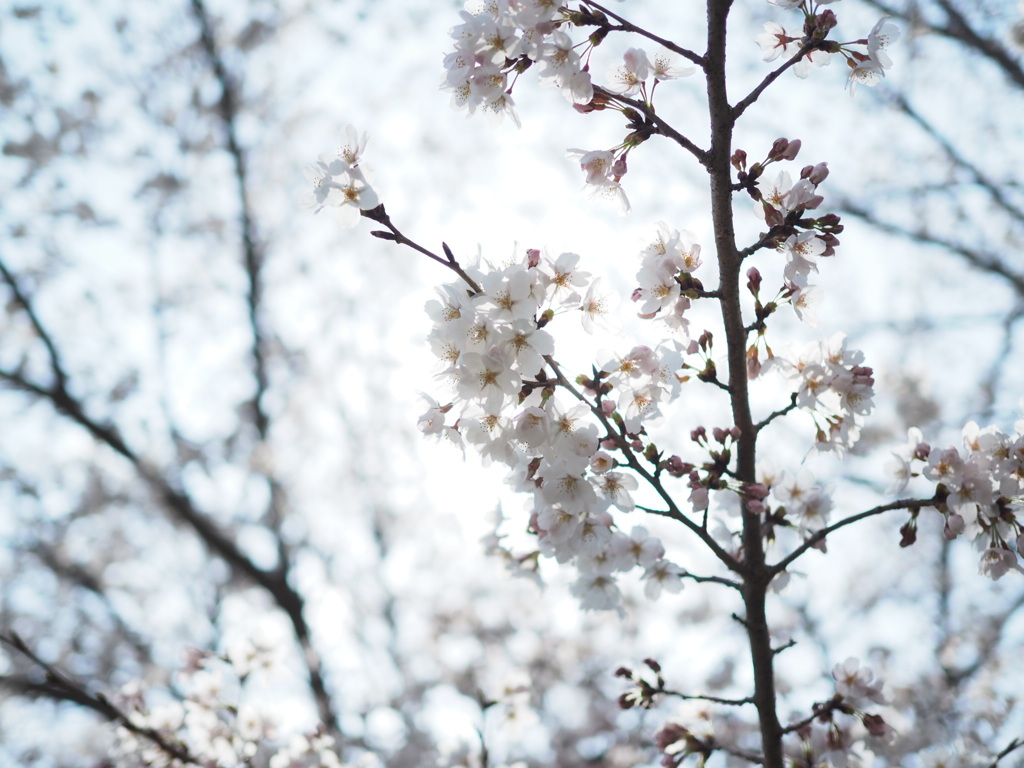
[709, 453]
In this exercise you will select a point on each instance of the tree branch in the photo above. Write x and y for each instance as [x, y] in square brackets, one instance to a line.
[663, 128]
[61, 687]
[755, 94]
[818, 536]
[627, 26]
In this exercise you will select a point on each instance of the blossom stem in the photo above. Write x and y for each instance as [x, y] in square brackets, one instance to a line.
[776, 414]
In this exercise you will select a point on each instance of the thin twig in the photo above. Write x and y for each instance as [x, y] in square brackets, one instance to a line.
[753, 96]
[60, 685]
[380, 216]
[818, 536]
[27, 307]
[712, 699]
[628, 26]
[1013, 746]
[776, 414]
[662, 127]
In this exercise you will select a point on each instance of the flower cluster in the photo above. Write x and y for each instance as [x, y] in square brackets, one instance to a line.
[834, 385]
[836, 735]
[979, 491]
[214, 724]
[666, 278]
[339, 181]
[801, 501]
[784, 205]
[867, 66]
[510, 406]
[605, 168]
[496, 39]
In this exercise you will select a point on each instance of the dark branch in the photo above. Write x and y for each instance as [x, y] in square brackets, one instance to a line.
[819, 536]
[60, 687]
[663, 128]
[627, 26]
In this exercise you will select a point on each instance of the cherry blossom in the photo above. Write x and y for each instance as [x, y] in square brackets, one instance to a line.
[774, 41]
[627, 78]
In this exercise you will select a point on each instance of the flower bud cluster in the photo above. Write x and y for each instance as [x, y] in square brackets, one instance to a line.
[509, 405]
[979, 491]
[783, 206]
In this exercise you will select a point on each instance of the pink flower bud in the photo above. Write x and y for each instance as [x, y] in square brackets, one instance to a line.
[818, 173]
[908, 533]
[863, 375]
[699, 434]
[669, 734]
[676, 467]
[534, 524]
[753, 363]
[619, 167]
[719, 434]
[756, 490]
[792, 150]
[753, 280]
[739, 159]
[875, 725]
[831, 241]
[772, 216]
[532, 257]
[607, 407]
[954, 526]
[826, 21]
[779, 147]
